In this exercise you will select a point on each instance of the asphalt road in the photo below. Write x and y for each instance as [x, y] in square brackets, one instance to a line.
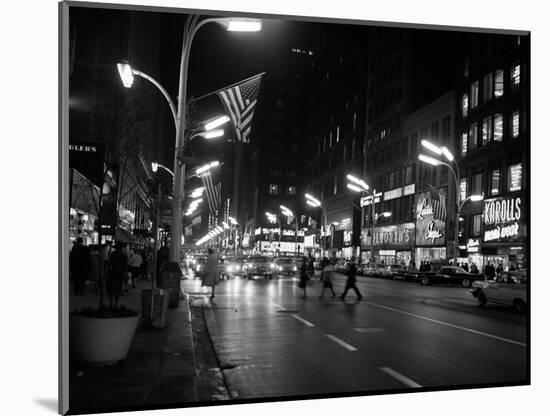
[270, 342]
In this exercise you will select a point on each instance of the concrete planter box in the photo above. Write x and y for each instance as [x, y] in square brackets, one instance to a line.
[101, 340]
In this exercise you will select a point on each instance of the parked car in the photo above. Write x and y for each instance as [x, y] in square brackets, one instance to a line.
[285, 265]
[449, 274]
[398, 271]
[258, 266]
[509, 288]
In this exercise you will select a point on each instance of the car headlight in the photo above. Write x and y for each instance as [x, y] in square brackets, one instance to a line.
[295, 268]
[272, 265]
[280, 268]
[230, 268]
[237, 267]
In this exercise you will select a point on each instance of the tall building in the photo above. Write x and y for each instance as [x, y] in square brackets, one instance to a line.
[408, 68]
[493, 136]
[336, 113]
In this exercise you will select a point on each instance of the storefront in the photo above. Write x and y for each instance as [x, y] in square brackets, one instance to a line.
[504, 231]
[269, 242]
[83, 209]
[391, 244]
[431, 216]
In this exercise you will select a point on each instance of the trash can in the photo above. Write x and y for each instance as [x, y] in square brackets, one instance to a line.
[155, 316]
[170, 279]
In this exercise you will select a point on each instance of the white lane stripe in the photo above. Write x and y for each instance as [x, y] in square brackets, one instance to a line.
[342, 343]
[369, 329]
[302, 320]
[473, 331]
[405, 380]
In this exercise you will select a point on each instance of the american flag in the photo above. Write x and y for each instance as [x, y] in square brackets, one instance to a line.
[213, 192]
[239, 102]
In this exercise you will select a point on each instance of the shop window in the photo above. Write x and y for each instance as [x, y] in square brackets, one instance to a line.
[498, 128]
[474, 94]
[273, 189]
[476, 225]
[472, 137]
[488, 87]
[487, 130]
[516, 75]
[515, 123]
[464, 143]
[291, 190]
[499, 83]
[463, 188]
[495, 182]
[514, 177]
[477, 184]
[464, 105]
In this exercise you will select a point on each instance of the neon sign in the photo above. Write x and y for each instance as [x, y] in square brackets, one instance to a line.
[502, 219]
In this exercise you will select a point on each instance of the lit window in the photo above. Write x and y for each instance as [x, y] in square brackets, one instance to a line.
[487, 130]
[274, 189]
[463, 188]
[464, 147]
[498, 132]
[330, 140]
[474, 94]
[488, 87]
[291, 190]
[472, 136]
[515, 123]
[354, 121]
[476, 225]
[476, 184]
[516, 75]
[495, 182]
[499, 83]
[464, 105]
[335, 188]
[514, 177]
[337, 134]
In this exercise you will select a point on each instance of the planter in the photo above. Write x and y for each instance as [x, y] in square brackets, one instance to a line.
[101, 340]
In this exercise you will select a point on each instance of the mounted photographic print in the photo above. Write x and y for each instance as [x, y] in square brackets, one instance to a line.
[262, 208]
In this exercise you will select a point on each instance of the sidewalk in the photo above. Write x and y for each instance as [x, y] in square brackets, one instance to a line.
[160, 369]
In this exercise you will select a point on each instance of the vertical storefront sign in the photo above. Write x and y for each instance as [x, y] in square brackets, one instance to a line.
[431, 215]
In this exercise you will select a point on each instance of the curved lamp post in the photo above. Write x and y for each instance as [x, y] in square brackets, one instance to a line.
[192, 25]
[315, 203]
[455, 170]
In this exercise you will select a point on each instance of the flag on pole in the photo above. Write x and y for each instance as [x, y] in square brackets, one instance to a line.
[240, 101]
[213, 192]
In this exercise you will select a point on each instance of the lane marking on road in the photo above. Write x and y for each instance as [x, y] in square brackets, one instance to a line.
[473, 331]
[302, 320]
[369, 330]
[405, 380]
[340, 342]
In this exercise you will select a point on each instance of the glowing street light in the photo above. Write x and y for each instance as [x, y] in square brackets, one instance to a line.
[428, 159]
[432, 147]
[219, 121]
[354, 188]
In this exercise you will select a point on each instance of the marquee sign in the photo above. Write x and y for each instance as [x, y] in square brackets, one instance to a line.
[431, 214]
[398, 235]
[503, 219]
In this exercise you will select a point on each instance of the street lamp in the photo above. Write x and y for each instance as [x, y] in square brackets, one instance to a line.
[288, 213]
[155, 166]
[314, 202]
[192, 25]
[455, 170]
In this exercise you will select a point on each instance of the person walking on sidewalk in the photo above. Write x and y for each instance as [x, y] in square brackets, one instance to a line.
[134, 265]
[303, 277]
[79, 266]
[351, 283]
[211, 277]
[117, 275]
[326, 277]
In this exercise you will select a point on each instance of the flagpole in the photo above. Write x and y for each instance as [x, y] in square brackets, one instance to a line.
[225, 88]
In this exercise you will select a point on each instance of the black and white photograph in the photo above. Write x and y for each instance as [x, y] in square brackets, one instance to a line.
[276, 209]
[272, 208]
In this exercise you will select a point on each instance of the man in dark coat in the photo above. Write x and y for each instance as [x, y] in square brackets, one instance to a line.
[79, 266]
[350, 284]
[118, 273]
